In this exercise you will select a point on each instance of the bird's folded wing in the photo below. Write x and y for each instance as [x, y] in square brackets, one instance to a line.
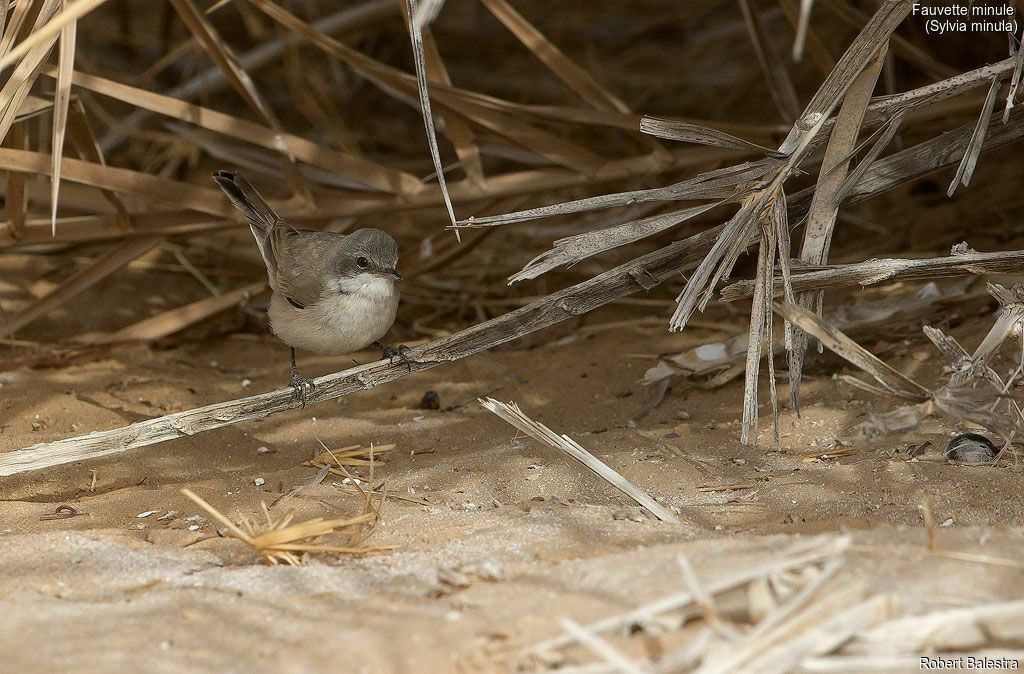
[302, 259]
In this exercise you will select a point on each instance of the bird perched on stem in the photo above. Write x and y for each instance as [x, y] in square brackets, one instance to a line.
[332, 293]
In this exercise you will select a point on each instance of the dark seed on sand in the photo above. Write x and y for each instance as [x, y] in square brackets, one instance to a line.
[430, 401]
[971, 449]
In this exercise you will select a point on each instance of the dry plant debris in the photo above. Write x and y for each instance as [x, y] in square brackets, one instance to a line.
[281, 542]
[973, 392]
[333, 462]
[802, 612]
[553, 148]
[506, 150]
[353, 455]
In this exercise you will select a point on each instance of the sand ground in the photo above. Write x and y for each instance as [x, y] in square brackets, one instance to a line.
[512, 536]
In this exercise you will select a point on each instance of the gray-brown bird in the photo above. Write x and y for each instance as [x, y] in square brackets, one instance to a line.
[331, 293]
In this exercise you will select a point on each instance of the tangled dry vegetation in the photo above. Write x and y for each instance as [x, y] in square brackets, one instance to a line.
[114, 112]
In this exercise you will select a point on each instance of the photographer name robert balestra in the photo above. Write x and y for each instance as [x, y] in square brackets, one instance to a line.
[967, 663]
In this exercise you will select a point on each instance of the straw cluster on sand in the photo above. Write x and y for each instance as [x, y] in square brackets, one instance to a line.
[281, 541]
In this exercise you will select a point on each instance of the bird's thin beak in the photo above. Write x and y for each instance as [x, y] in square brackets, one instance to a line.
[394, 272]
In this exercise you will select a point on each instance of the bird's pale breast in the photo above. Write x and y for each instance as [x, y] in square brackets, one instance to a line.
[338, 323]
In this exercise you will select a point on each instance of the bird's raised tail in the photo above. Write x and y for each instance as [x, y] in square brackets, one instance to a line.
[248, 201]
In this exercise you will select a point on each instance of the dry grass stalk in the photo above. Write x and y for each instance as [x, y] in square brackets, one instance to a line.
[776, 72]
[88, 148]
[824, 208]
[705, 602]
[900, 46]
[960, 398]
[688, 132]
[343, 21]
[281, 542]
[894, 381]
[918, 160]
[612, 656]
[16, 196]
[805, 616]
[798, 143]
[970, 160]
[103, 267]
[574, 77]
[724, 183]
[353, 455]
[573, 249]
[44, 35]
[175, 320]
[821, 621]
[956, 629]
[881, 138]
[359, 169]
[799, 554]
[422, 89]
[463, 138]
[873, 272]
[357, 455]
[1015, 79]
[61, 99]
[802, 29]
[162, 190]
[16, 89]
[511, 413]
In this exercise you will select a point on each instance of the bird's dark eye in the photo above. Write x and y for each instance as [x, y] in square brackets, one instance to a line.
[362, 262]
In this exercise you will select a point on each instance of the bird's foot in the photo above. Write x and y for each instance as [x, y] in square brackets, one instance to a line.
[391, 353]
[302, 386]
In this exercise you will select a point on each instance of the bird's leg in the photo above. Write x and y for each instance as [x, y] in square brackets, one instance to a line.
[300, 383]
[391, 353]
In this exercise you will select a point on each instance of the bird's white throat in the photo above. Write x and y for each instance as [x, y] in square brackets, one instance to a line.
[366, 285]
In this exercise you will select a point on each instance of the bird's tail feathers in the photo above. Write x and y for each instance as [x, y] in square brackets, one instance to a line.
[247, 200]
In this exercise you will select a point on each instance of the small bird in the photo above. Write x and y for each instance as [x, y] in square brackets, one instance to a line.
[332, 293]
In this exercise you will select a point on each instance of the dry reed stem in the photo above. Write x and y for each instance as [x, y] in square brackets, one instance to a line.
[873, 272]
[574, 77]
[48, 32]
[511, 413]
[423, 91]
[894, 381]
[824, 208]
[619, 661]
[104, 266]
[798, 554]
[212, 80]
[359, 169]
[970, 160]
[61, 99]
[775, 71]
[175, 320]
[16, 89]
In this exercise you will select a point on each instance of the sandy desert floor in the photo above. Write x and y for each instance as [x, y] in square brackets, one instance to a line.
[509, 537]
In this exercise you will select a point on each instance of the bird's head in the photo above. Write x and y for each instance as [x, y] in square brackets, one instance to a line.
[368, 255]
